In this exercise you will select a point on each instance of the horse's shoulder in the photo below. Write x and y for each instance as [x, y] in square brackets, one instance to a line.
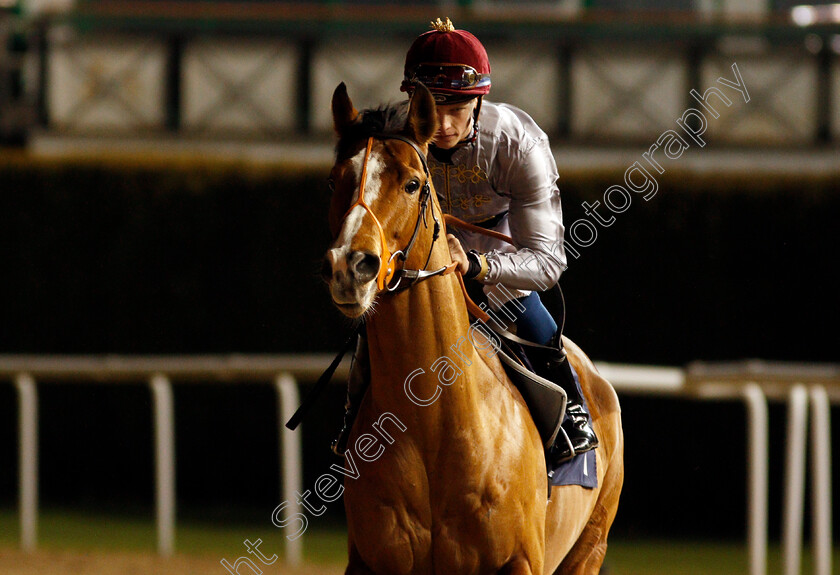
[500, 380]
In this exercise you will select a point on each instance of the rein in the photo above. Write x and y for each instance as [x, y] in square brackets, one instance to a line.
[405, 278]
[451, 220]
[476, 311]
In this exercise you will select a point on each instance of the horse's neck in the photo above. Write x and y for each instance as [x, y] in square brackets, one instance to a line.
[414, 330]
[417, 326]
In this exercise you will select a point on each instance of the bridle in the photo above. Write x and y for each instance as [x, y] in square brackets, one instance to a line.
[389, 277]
[405, 278]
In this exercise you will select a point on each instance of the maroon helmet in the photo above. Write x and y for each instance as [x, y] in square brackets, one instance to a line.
[451, 63]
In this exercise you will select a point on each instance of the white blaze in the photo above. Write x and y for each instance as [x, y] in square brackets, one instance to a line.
[353, 221]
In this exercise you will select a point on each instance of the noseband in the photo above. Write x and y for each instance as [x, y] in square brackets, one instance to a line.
[388, 272]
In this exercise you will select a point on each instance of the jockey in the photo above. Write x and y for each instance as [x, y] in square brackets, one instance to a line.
[497, 173]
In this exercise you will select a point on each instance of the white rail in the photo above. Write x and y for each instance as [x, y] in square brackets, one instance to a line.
[159, 372]
[28, 454]
[164, 462]
[786, 382]
[753, 382]
[290, 459]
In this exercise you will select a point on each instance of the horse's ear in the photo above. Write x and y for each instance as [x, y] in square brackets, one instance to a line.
[421, 124]
[344, 114]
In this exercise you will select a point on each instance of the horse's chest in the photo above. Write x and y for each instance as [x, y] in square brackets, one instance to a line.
[463, 516]
[429, 536]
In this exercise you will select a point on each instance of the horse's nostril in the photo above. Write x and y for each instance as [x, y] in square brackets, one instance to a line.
[363, 265]
[369, 266]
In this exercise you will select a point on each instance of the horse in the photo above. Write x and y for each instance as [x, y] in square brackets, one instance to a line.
[458, 482]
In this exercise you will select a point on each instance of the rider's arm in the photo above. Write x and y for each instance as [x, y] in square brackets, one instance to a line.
[535, 219]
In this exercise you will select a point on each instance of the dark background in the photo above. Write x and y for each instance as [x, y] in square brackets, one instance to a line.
[106, 257]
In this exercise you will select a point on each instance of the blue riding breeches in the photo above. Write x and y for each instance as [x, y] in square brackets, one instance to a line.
[534, 322]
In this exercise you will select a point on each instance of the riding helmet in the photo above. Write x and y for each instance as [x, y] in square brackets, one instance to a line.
[451, 63]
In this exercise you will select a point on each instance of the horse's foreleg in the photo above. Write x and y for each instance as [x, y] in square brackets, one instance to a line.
[585, 559]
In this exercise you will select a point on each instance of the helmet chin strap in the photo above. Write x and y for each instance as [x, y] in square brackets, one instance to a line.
[474, 128]
[477, 110]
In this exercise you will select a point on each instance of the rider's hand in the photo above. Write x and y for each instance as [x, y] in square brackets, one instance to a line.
[459, 256]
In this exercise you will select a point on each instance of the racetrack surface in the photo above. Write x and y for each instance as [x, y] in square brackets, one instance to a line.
[14, 562]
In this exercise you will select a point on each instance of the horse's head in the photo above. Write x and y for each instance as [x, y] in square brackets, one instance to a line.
[381, 198]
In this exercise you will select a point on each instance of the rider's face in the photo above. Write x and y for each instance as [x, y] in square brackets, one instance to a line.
[454, 123]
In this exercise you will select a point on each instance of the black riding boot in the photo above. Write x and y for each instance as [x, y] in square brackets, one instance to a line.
[555, 367]
[357, 384]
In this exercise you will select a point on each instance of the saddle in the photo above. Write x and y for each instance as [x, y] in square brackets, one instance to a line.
[547, 403]
[545, 399]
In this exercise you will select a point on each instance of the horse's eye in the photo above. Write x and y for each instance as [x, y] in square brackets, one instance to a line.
[331, 184]
[412, 186]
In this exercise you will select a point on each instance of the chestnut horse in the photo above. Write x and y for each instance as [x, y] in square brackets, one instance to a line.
[457, 483]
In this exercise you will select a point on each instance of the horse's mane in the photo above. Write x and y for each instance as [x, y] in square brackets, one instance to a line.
[386, 119]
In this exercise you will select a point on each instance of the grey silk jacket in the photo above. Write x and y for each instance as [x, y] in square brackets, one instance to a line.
[508, 170]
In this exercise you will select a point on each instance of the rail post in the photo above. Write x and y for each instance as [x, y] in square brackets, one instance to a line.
[288, 400]
[821, 480]
[28, 460]
[164, 462]
[757, 477]
[794, 496]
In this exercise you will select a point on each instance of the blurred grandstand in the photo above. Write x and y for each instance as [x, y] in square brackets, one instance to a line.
[592, 72]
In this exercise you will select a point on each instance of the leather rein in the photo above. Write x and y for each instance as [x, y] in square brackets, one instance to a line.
[405, 278]
[385, 279]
